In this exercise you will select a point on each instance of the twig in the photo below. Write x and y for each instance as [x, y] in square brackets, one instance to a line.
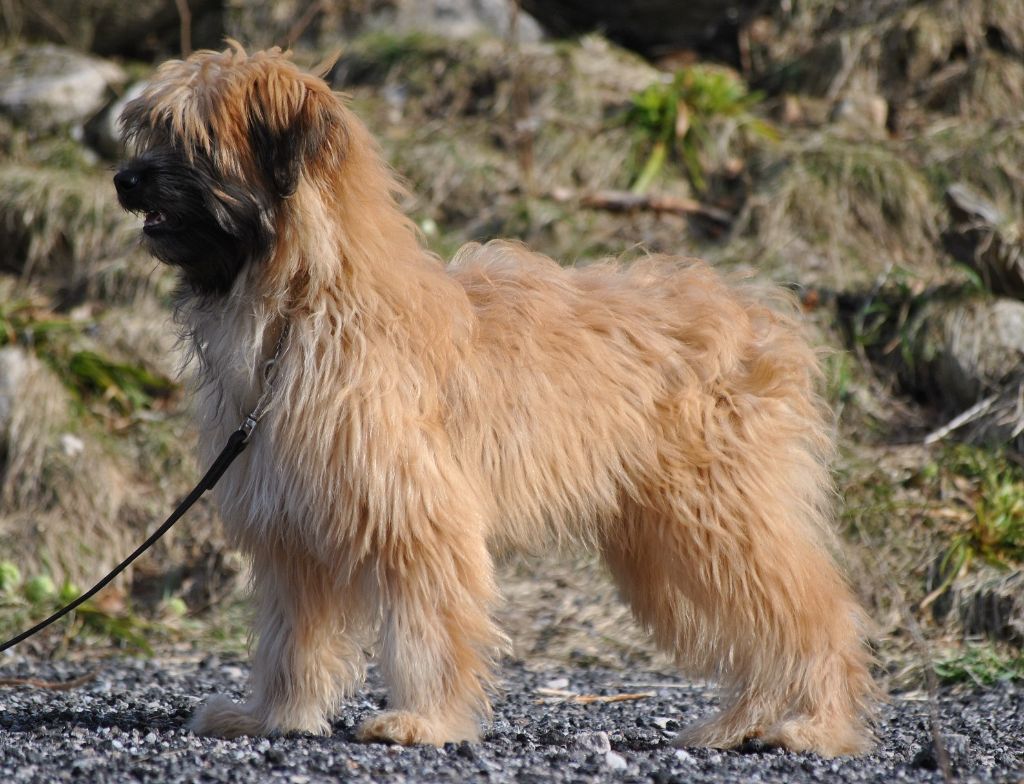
[304, 21]
[36, 683]
[852, 48]
[627, 201]
[523, 125]
[547, 695]
[972, 413]
[185, 15]
[55, 23]
[938, 742]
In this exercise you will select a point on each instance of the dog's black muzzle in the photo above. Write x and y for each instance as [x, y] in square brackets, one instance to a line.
[134, 193]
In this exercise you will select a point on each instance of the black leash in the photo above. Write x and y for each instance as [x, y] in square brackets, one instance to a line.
[237, 442]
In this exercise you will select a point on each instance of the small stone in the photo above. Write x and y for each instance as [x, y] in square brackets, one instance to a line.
[596, 742]
[615, 761]
[558, 684]
[71, 445]
[274, 756]
[665, 723]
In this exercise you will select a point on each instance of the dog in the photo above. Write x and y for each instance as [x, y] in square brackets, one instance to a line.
[424, 417]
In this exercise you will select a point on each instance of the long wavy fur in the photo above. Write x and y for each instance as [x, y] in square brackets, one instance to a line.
[426, 415]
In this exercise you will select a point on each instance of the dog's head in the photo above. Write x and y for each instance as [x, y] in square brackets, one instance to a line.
[222, 140]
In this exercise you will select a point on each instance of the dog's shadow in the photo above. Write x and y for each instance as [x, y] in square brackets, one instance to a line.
[129, 720]
[89, 719]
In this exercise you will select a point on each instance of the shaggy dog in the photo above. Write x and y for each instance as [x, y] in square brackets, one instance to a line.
[424, 416]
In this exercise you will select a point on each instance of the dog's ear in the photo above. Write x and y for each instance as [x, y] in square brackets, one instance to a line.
[312, 134]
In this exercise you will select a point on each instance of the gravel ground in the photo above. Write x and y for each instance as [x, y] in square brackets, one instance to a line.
[127, 725]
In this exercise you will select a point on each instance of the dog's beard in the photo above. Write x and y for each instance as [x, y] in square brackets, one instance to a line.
[208, 227]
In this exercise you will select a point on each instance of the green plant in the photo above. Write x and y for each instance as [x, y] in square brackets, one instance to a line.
[24, 321]
[10, 577]
[681, 115]
[995, 531]
[980, 664]
[40, 589]
[38, 597]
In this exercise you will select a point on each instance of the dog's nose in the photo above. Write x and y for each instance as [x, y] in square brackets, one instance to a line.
[127, 179]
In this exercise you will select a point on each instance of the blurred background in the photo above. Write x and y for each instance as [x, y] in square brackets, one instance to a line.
[868, 154]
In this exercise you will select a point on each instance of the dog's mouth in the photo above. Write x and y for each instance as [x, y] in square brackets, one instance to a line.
[157, 221]
[153, 219]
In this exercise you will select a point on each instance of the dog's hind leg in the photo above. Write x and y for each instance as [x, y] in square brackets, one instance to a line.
[307, 654]
[739, 594]
[438, 640]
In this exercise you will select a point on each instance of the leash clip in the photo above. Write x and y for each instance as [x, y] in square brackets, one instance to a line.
[248, 426]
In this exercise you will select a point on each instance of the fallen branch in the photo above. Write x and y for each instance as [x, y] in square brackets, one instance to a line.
[36, 683]
[974, 412]
[627, 201]
[553, 695]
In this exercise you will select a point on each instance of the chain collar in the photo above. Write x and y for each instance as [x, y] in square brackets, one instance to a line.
[270, 369]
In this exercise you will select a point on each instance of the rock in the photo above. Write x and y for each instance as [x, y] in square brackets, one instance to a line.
[862, 111]
[965, 355]
[457, 19]
[46, 87]
[652, 27]
[958, 747]
[264, 22]
[983, 239]
[615, 761]
[682, 755]
[71, 445]
[15, 366]
[983, 347]
[592, 742]
[104, 131]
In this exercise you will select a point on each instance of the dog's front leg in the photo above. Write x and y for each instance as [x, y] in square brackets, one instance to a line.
[438, 641]
[308, 654]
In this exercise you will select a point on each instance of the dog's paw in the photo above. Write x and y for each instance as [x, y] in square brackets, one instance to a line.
[222, 717]
[836, 738]
[409, 729]
[714, 735]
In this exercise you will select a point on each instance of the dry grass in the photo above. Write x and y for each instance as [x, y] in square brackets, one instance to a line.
[66, 227]
[859, 206]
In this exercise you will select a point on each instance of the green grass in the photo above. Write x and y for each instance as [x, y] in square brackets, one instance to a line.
[90, 375]
[980, 664]
[994, 533]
